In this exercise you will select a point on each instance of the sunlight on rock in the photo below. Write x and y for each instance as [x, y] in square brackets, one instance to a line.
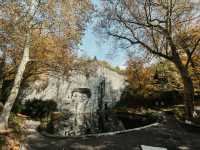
[87, 147]
[183, 148]
[144, 147]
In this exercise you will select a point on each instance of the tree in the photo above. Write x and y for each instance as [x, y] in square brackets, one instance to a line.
[166, 76]
[165, 28]
[138, 76]
[18, 78]
[25, 22]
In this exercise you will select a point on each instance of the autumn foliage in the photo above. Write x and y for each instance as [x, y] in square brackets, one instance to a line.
[138, 76]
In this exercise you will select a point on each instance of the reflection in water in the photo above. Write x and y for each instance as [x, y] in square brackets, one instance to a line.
[74, 122]
[81, 124]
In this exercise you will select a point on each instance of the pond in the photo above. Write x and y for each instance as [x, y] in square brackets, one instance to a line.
[82, 124]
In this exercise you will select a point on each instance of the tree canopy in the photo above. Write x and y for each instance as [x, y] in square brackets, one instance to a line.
[167, 29]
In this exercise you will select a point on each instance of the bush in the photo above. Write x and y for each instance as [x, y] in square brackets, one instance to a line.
[39, 109]
[151, 100]
[18, 107]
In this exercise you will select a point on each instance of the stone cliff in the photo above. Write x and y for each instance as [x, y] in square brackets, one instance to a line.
[80, 93]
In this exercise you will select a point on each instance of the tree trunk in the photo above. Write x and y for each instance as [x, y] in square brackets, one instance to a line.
[188, 92]
[1, 88]
[188, 97]
[15, 89]
[2, 67]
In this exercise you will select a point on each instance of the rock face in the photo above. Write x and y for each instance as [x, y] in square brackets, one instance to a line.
[79, 95]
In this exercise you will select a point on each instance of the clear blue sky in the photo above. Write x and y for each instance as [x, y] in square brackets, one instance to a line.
[93, 46]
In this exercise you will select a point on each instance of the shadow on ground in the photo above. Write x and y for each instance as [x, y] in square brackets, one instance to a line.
[168, 134]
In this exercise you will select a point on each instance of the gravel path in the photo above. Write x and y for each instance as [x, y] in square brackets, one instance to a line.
[168, 134]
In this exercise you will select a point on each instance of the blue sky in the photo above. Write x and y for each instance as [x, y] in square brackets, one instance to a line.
[93, 46]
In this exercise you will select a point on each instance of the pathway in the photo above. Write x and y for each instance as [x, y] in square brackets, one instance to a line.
[169, 135]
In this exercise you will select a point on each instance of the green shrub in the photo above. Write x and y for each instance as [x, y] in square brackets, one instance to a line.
[155, 99]
[18, 107]
[39, 109]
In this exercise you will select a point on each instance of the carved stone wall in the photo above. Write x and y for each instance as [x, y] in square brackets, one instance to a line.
[80, 98]
[80, 93]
